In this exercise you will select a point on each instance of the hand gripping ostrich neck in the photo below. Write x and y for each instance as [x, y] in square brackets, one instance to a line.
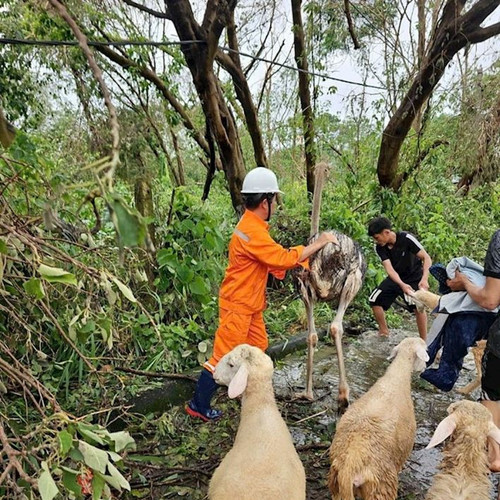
[335, 275]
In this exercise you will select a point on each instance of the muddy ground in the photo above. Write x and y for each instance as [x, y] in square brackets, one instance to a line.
[312, 424]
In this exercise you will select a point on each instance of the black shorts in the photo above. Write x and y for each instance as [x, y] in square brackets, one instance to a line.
[387, 292]
[490, 381]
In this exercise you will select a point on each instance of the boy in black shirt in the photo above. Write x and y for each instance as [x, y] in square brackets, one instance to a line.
[407, 266]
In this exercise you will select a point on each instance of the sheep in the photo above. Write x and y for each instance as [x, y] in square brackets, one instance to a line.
[375, 436]
[477, 352]
[425, 300]
[464, 468]
[263, 463]
[335, 275]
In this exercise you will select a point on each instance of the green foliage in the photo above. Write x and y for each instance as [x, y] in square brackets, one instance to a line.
[192, 238]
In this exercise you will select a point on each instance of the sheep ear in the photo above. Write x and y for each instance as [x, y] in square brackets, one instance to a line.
[494, 433]
[443, 430]
[239, 382]
[393, 353]
[421, 359]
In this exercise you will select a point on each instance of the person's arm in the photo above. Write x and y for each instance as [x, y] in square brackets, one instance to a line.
[426, 264]
[395, 277]
[323, 239]
[487, 296]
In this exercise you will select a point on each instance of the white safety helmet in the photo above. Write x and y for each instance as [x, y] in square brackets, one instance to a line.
[260, 180]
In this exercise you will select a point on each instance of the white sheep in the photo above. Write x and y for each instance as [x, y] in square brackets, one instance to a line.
[263, 463]
[464, 468]
[375, 436]
[425, 300]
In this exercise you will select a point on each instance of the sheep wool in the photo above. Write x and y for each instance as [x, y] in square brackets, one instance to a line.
[464, 467]
[263, 463]
[375, 436]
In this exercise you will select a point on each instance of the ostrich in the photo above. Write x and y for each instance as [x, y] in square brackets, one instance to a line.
[335, 275]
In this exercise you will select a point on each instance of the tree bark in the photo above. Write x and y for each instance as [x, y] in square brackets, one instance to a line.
[232, 64]
[304, 94]
[143, 197]
[7, 131]
[200, 58]
[453, 32]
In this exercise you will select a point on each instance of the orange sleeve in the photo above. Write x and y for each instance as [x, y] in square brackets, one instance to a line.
[278, 274]
[264, 249]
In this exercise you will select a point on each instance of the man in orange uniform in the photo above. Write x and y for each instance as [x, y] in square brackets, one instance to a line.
[242, 297]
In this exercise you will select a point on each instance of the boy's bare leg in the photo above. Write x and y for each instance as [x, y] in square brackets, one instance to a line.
[379, 313]
[421, 324]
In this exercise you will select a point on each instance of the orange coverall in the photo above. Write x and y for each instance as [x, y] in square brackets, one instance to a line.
[242, 296]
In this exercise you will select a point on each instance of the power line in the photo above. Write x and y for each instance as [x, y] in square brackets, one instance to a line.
[149, 43]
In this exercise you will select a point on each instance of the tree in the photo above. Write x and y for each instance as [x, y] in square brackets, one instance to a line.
[304, 93]
[455, 29]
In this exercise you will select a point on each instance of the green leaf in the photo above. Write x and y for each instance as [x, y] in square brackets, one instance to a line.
[70, 483]
[56, 275]
[34, 288]
[198, 286]
[46, 484]
[115, 478]
[3, 247]
[97, 486]
[92, 436]
[65, 442]
[122, 440]
[94, 457]
[129, 224]
[124, 289]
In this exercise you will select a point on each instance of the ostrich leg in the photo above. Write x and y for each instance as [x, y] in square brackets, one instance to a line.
[312, 341]
[351, 287]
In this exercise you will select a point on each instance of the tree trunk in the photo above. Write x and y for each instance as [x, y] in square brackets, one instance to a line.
[200, 58]
[453, 32]
[179, 172]
[417, 123]
[232, 64]
[304, 94]
[7, 131]
[143, 197]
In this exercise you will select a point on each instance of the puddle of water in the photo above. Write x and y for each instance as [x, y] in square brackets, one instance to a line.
[366, 360]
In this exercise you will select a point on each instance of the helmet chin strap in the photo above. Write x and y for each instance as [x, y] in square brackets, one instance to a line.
[269, 203]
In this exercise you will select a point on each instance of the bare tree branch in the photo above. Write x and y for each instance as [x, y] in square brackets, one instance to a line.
[113, 118]
[155, 13]
[350, 24]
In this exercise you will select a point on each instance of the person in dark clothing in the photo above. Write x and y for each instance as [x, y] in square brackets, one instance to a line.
[407, 265]
[488, 296]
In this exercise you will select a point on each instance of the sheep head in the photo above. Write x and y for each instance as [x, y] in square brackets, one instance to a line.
[244, 362]
[417, 348]
[469, 415]
[424, 299]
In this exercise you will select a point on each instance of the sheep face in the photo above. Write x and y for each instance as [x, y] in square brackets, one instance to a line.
[469, 416]
[242, 364]
[425, 300]
[416, 348]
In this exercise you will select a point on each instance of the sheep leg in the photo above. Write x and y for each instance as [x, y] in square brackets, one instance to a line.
[312, 341]
[478, 351]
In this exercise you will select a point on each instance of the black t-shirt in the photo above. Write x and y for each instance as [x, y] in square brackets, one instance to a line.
[492, 269]
[492, 260]
[403, 256]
